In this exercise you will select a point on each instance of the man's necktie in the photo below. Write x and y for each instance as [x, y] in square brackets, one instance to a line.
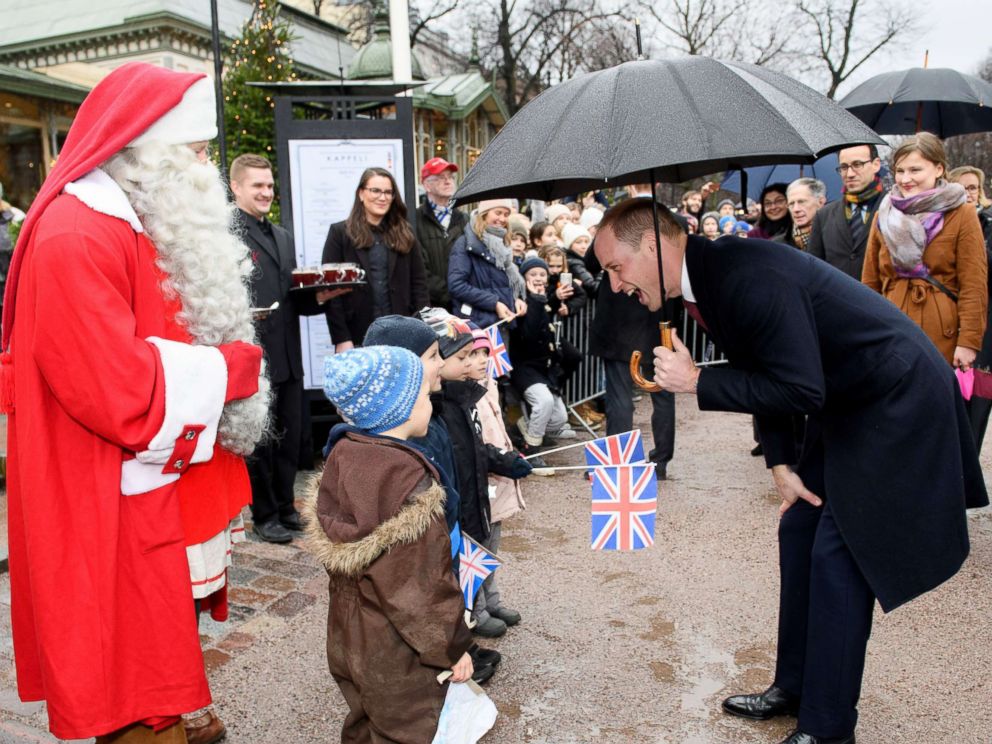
[690, 307]
[859, 230]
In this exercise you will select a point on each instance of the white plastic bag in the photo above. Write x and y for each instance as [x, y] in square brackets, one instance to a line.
[467, 715]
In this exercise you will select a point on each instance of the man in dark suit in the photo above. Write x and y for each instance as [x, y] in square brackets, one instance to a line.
[840, 229]
[621, 326]
[875, 505]
[272, 467]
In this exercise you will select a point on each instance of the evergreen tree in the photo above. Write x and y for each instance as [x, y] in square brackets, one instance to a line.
[260, 54]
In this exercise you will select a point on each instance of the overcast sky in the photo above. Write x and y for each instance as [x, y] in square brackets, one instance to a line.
[958, 34]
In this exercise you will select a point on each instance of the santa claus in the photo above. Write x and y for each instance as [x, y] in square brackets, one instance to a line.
[134, 388]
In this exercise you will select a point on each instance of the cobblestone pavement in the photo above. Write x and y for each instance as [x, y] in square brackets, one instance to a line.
[613, 647]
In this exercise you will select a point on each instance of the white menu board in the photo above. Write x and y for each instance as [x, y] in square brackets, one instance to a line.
[323, 175]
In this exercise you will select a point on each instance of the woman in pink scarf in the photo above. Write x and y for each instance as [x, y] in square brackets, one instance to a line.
[926, 254]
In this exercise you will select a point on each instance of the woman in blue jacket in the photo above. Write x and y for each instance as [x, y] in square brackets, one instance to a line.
[484, 283]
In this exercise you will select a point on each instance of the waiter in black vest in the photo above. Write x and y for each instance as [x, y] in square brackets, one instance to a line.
[272, 467]
[870, 508]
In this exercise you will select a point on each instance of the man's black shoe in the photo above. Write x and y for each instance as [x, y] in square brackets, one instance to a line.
[757, 451]
[482, 656]
[292, 522]
[483, 674]
[800, 737]
[762, 706]
[273, 532]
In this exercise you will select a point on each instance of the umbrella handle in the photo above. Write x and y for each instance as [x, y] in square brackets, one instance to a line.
[635, 361]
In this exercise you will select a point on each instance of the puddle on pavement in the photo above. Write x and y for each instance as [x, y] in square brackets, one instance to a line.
[660, 628]
[516, 544]
[754, 656]
[607, 578]
[662, 671]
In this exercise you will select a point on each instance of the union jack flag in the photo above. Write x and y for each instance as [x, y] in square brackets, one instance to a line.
[499, 360]
[475, 565]
[624, 502]
[619, 449]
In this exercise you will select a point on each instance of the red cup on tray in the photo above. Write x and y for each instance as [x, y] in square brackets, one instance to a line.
[307, 277]
[342, 273]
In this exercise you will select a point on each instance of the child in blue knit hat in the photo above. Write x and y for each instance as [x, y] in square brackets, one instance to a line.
[433, 339]
[376, 523]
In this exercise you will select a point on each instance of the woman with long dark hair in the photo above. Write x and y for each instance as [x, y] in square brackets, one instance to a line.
[378, 237]
[775, 222]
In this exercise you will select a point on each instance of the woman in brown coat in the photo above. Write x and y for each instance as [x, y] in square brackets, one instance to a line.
[926, 254]
[396, 615]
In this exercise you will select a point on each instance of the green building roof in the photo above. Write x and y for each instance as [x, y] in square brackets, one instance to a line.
[374, 61]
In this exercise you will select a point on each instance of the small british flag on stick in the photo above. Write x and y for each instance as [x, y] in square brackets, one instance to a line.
[624, 503]
[619, 449]
[475, 565]
[499, 360]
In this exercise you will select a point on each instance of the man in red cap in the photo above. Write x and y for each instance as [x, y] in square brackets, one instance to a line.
[438, 226]
[134, 388]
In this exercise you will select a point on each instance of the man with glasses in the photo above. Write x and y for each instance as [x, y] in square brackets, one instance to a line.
[840, 229]
[438, 226]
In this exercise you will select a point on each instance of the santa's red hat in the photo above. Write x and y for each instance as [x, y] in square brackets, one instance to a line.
[134, 104]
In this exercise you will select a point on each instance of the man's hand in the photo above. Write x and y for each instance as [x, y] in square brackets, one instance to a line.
[503, 312]
[674, 370]
[790, 487]
[521, 307]
[324, 295]
[964, 357]
[462, 671]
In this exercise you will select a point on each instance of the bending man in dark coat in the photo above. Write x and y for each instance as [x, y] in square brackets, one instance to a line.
[804, 338]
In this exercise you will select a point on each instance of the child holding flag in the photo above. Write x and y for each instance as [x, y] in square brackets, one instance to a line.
[377, 525]
[505, 495]
[474, 460]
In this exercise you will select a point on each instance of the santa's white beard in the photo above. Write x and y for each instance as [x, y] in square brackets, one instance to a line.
[184, 209]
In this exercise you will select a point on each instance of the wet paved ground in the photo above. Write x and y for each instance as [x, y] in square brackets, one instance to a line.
[635, 647]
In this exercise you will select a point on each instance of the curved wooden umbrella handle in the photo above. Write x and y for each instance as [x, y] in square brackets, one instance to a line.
[635, 361]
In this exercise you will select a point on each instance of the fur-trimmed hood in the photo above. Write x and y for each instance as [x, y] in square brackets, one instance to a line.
[374, 493]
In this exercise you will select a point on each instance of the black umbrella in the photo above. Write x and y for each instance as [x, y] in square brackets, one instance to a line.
[667, 120]
[942, 101]
[651, 120]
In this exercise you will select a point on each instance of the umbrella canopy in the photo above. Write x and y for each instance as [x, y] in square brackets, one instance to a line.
[825, 169]
[943, 101]
[670, 119]
[757, 178]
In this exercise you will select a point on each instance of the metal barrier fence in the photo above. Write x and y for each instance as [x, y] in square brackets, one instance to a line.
[588, 382]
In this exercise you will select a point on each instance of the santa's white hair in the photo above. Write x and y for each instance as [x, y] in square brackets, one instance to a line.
[183, 207]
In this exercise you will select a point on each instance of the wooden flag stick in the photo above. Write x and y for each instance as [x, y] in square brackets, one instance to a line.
[499, 322]
[576, 444]
[595, 467]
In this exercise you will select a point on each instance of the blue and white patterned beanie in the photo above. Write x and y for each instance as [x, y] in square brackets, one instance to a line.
[374, 387]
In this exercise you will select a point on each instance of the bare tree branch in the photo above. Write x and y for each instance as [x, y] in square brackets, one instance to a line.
[848, 33]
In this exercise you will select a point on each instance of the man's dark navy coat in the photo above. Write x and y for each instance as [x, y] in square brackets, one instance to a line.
[898, 461]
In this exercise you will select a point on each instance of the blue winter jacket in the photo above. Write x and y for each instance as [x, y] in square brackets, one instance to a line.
[475, 282]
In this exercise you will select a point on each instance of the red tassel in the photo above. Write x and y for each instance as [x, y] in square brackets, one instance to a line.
[6, 383]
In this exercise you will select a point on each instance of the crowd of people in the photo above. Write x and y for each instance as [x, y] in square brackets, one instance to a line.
[181, 388]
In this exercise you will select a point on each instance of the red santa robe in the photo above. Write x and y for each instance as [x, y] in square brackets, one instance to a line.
[111, 407]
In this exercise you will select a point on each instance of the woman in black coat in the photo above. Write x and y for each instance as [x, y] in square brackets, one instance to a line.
[378, 237]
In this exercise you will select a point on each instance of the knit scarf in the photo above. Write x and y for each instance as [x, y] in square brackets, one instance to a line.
[493, 238]
[909, 223]
[800, 236]
[866, 195]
